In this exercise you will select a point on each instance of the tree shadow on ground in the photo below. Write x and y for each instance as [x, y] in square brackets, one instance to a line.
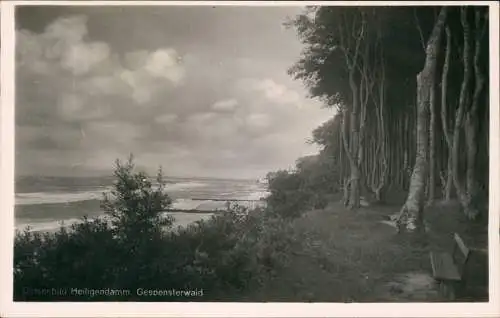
[350, 256]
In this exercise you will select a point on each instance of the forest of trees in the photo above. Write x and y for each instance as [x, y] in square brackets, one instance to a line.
[410, 86]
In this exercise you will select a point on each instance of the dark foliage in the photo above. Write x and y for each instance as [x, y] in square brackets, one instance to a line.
[136, 247]
[310, 186]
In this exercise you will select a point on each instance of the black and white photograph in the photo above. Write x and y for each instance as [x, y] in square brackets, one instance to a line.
[252, 153]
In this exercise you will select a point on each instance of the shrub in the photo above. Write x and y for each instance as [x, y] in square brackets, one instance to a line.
[134, 206]
[308, 187]
[136, 247]
[230, 252]
[287, 198]
[78, 257]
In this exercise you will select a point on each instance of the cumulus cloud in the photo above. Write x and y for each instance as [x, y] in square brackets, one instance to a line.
[136, 59]
[43, 138]
[166, 119]
[102, 85]
[200, 119]
[165, 63]
[62, 44]
[80, 57]
[71, 105]
[266, 125]
[225, 105]
[147, 68]
[258, 121]
[113, 132]
[63, 50]
[274, 91]
[75, 85]
[198, 105]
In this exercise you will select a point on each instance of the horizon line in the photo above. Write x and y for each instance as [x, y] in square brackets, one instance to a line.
[150, 176]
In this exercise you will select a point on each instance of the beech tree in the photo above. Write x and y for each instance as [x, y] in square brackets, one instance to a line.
[406, 83]
[468, 108]
[344, 63]
[413, 207]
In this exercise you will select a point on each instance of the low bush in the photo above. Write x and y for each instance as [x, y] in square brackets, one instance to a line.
[287, 197]
[83, 256]
[136, 247]
[292, 194]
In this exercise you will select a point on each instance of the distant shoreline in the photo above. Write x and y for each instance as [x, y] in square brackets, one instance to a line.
[43, 202]
[194, 211]
[229, 200]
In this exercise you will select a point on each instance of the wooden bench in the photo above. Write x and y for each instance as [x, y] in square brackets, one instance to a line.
[448, 269]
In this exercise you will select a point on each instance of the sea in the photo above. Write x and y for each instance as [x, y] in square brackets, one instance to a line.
[45, 203]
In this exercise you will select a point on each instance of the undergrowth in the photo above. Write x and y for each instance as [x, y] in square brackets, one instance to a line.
[136, 247]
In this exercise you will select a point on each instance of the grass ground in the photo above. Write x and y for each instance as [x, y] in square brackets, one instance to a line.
[351, 256]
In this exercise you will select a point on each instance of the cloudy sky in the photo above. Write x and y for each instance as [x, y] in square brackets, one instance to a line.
[201, 91]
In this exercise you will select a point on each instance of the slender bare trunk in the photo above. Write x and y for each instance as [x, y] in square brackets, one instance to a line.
[472, 122]
[406, 161]
[400, 150]
[341, 157]
[466, 192]
[444, 116]
[431, 193]
[351, 186]
[471, 146]
[381, 150]
[352, 149]
[448, 189]
[354, 190]
[413, 207]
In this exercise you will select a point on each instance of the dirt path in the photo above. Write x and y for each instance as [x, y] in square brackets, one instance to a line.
[351, 256]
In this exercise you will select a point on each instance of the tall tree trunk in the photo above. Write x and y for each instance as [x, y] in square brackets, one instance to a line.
[466, 192]
[400, 150]
[365, 90]
[381, 149]
[411, 215]
[431, 193]
[352, 188]
[354, 183]
[404, 149]
[448, 188]
[471, 124]
[444, 117]
[341, 157]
